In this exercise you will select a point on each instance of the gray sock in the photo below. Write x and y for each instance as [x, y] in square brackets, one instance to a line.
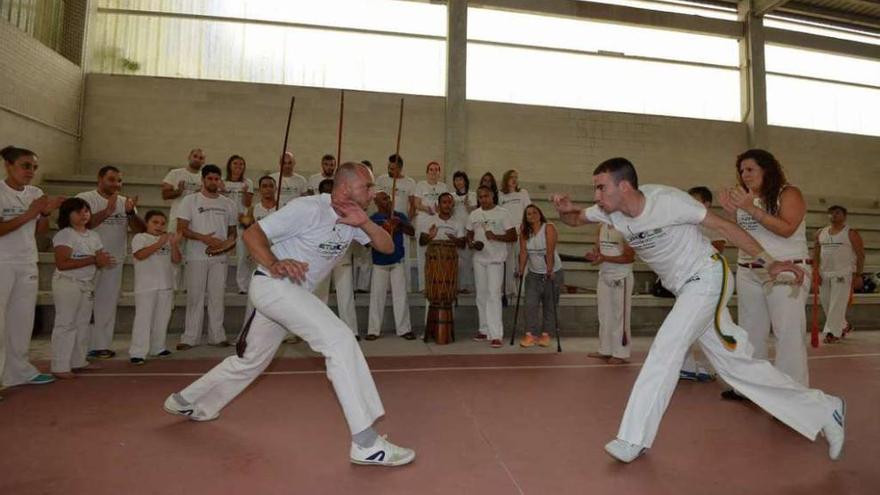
[179, 398]
[366, 438]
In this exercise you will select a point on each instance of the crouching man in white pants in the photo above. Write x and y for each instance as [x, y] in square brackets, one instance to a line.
[295, 248]
[662, 225]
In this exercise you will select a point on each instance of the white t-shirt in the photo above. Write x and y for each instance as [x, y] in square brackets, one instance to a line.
[211, 216]
[82, 245]
[838, 257]
[496, 220]
[461, 205]
[429, 193]
[406, 188]
[781, 248]
[235, 192]
[515, 203]
[611, 243]
[291, 187]
[20, 245]
[192, 182]
[114, 229]
[444, 227]
[315, 181]
[306, 229]
[536, 248]
[665, 235]
[155, 272]
[260, 211]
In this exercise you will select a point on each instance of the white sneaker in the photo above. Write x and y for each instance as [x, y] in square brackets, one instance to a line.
[382, 453]
[624, 451]
[174, 404]
[834, 429]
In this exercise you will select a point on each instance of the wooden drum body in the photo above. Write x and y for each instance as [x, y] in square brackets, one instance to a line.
[441, 289]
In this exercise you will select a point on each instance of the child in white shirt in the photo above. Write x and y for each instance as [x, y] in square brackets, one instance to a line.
[155, 252]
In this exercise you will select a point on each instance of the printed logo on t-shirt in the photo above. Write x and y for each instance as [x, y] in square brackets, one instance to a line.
[117, 219]
[332, 249]
[212, 209]
[747, 222]
[647, 239]
[11, 212]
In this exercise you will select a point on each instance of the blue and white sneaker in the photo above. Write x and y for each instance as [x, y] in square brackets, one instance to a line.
[701, 375]
[624, 451]
[175, 404]
[382, 453]
[41, 379]
[834, 429]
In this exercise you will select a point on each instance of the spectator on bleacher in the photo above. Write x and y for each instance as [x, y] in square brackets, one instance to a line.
[24, 211]
[239, 189]
[112, 216]
[425, 206]
[693, 369]
[488, 180]
[390, 268]
[839, 257]
[613, 294]
[328, 170]
[154, 252]
[292, 184]
[206, 219]
[540, 264]
[178, 184]
[773, 212]
[79, 254]
[513, 199]
[465, 203]
[489, 231]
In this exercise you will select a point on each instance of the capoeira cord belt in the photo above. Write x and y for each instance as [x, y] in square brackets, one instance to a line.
[728, 340]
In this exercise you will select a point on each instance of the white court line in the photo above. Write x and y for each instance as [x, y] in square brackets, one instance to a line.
[444, 368]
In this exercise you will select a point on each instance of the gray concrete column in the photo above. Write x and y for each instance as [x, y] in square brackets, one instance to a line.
[456, 87]
[753, 76]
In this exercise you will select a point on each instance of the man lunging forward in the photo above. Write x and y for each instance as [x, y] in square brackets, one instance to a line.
[295, 248]
[662, 225]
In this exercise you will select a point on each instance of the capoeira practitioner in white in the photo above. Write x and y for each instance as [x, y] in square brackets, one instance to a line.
[613, 294]
[328, 169]
[291, 183]
[178, 184]
[294, 248]
[662, 225]
[839, 257]
[774, 213]
[24, 210]
[513, 199]
[693, 369]
[113, 215]
[424, 206]
[403, 199]
[206, 219]
[240, 190]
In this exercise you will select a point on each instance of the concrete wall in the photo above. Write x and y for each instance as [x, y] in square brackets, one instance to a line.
[144, 120]
[40, 95]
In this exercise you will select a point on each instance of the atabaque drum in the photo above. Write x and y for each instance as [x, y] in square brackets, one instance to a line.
[441, 289]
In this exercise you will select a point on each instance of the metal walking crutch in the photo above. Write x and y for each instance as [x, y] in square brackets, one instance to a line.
[516, 311]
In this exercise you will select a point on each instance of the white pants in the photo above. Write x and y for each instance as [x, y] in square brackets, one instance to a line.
[177, 268]
[834, 293]
[284, 307]
[73, 307]
[693, 319]
[614, 300]
[108, 281]
[781, 307]
[363, 267]
[396, 276]
[152, 312]
[488, 278]
[508, 284]
[420, 268]
[342, 282]
[205, 277]
[244, 267]
[18, 300]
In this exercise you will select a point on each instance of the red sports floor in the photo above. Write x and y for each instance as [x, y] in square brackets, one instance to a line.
[504, 423]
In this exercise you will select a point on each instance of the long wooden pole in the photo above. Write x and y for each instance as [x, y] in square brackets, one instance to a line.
[339, 128]
[283, 151]
[397, 157]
